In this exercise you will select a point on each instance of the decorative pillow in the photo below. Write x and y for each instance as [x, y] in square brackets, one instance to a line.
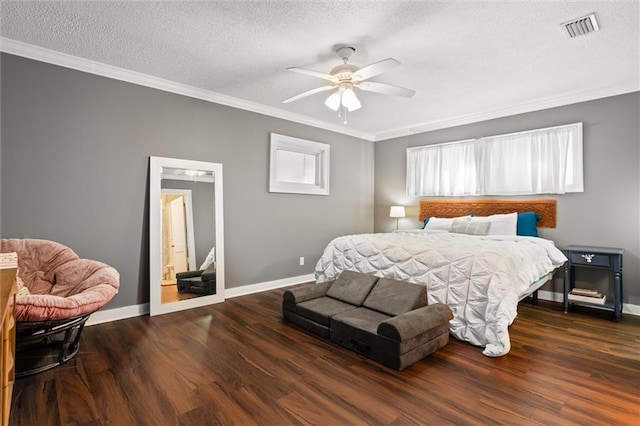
[440, 224]
[209, 260]
[393, 297]
[527, 224]
[501, 224]
[352, 287]
[469, 227]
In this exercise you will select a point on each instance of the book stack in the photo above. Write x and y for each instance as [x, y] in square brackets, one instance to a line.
[8, 260]
[587, 295]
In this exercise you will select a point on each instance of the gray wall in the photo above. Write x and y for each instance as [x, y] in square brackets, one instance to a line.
[75, 169]
[606, 214]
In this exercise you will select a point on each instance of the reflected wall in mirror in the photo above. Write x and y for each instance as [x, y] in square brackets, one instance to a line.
[185, 234]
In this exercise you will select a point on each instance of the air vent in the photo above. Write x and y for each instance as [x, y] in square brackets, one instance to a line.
[581, 26]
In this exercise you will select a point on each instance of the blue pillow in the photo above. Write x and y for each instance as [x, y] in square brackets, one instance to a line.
[528, 224]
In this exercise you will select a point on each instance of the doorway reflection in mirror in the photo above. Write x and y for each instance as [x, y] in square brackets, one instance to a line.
[188, 234]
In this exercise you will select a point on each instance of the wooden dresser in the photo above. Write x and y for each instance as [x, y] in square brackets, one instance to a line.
[8, 330]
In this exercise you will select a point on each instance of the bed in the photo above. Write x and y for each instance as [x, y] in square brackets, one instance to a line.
[480, 277]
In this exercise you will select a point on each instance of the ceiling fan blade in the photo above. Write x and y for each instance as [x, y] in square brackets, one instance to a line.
[315, 74]
[375, 69]
[307, 93]
[385, 89]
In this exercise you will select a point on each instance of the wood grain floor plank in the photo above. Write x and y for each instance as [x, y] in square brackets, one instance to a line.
[323, 375]
[107, 394]
[75, 401]
[216, 402]
[259, 404]
[36, 401]
[239, 363]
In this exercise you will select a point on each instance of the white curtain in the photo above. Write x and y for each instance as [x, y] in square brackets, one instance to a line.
[545, 161]
[442, 170]
[524, 163]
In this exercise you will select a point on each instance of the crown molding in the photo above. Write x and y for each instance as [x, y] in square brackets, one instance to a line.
[41, 54]
[538, 105]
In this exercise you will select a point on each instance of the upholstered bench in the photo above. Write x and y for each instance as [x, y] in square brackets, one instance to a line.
[386, 320]
[199, 282]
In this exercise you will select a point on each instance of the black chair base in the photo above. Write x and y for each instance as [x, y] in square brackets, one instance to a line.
[196, 285]
[43, 345]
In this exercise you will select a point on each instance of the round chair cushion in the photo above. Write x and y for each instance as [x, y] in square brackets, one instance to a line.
[60, 284]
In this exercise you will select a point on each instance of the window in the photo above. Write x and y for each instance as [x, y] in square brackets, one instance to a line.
[298, 166]
[442, 170]
[544, 161]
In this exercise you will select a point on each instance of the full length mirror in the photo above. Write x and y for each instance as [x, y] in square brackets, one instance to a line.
[186, 234]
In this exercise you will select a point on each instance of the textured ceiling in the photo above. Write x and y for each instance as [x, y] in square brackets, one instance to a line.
[465, 60]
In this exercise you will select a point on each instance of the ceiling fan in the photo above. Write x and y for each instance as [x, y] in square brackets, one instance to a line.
[346, 77]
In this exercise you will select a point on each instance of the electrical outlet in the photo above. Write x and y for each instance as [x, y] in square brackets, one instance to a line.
[302, 261]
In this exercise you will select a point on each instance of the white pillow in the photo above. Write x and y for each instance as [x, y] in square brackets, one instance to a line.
[501, 224]
[440, 223]
[466, 226]
[211, 257]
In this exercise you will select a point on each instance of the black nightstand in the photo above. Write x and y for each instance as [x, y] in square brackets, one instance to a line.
[594, 257]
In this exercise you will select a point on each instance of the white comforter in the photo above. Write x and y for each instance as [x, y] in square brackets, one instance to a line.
[479, 278]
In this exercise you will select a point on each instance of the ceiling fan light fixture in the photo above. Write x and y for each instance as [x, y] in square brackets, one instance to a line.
[345, 77]
[350, 100]
[333, 101]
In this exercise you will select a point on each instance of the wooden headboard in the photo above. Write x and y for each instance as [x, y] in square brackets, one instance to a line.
[546, 208]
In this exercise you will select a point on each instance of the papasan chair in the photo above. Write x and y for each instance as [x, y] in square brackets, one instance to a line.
[57, 291]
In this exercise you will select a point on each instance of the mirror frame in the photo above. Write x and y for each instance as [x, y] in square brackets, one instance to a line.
[155, 235]
[320, 151]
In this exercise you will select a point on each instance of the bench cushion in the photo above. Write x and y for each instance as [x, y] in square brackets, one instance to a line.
[319, 310]
[360, 319]
[352, 287]
[394, 297]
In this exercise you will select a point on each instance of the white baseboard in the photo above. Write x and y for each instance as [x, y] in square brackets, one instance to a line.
[550, 295]
[118, 314]
[553, 296]
[269, 285]
[143, 309]
[631, 309]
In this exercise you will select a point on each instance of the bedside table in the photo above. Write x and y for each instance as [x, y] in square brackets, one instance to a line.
[594, 257]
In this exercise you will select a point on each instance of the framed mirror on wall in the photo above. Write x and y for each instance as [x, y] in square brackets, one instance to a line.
[298, 166]
[186, 234]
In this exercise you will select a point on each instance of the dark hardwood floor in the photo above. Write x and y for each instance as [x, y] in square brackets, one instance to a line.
[238, 363]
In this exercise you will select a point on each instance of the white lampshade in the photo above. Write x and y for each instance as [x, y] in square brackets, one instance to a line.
[350, 100]
[397, 211]
[333, 101]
